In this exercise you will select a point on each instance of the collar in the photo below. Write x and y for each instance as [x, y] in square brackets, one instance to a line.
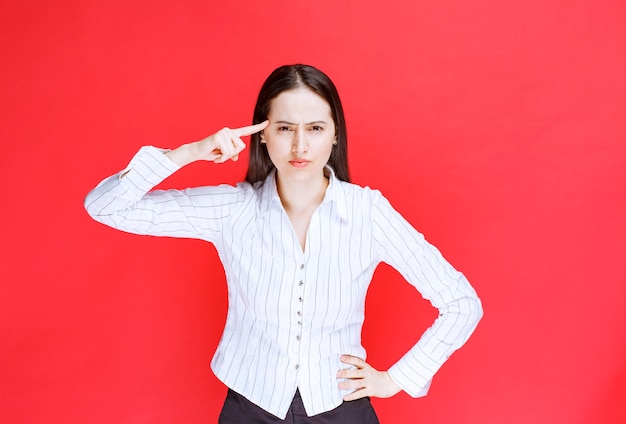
[334, 194]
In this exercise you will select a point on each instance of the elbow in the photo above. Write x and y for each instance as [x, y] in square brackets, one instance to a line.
[89, 205]
[94, 206]
[476, 311]
[480, 311]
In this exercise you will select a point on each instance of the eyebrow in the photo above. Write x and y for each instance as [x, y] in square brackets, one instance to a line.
[308, 123]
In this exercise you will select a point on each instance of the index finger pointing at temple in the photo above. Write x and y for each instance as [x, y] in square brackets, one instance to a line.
[251, 129]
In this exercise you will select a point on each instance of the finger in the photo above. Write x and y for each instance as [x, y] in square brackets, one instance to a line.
[353, 360]
[251, 129]
[224, 144]
[238, 144]
[357, 394]
[221, 155]
[354, 383]
[351, 373]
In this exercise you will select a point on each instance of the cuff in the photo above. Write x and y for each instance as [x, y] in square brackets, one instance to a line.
[148, 168]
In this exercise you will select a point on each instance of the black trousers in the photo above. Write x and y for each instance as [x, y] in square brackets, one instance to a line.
[239, 410]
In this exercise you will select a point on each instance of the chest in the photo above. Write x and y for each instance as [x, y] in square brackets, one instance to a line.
[300, 222]
[270, 274]
[274, 245]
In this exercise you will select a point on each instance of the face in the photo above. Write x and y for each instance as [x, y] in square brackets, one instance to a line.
[300, 134]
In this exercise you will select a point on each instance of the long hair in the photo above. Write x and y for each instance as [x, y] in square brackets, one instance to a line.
[286, 78]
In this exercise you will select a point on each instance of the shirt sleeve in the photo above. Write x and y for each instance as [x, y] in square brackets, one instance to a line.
[398, 244]
[124, 201]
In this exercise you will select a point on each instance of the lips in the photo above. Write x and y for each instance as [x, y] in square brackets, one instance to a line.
[299, 163]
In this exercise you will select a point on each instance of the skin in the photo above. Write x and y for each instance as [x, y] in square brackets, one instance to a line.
[299, 135]
[299, 141]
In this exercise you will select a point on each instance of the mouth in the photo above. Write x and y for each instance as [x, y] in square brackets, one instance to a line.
[299, 163]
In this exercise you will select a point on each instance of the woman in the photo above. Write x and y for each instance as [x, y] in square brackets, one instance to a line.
[299, 244]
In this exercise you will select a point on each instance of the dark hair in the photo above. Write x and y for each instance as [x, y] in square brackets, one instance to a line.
[290, 77]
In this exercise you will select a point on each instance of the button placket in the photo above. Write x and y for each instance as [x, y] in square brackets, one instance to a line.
[299, 293]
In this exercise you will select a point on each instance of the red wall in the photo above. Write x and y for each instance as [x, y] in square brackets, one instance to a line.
[496, 128]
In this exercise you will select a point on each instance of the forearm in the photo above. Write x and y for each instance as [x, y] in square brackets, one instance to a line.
[457, 321]
[184, 155]
[423, 266]
[121, 191]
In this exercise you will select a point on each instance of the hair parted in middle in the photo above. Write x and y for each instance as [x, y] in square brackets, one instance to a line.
[291, 77]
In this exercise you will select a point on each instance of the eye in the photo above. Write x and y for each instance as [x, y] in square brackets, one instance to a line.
[317, 128]
[284, 128]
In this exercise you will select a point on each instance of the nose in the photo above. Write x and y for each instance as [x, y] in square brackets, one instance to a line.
[300, 143]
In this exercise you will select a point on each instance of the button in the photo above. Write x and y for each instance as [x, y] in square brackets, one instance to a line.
[299, 322]
[300, 283]
[298, 338]
[300, 299]
[299, 313]
[301, 266]
[297, 366]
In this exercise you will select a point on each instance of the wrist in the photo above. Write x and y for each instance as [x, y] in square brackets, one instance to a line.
[184, 154]
[393, 386]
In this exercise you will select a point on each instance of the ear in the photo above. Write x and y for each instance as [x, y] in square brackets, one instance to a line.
[262, 137]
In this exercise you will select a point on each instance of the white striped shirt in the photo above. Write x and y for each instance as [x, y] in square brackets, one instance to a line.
[293, 313]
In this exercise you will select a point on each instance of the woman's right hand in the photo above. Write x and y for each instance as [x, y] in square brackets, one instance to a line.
[218, 148]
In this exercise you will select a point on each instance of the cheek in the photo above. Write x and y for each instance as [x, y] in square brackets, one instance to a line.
[276, 148]
[327, 149]
[276, 141]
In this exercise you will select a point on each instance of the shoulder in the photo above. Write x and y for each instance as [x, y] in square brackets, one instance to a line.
[362, 203]
[369, 202]
[356, 193]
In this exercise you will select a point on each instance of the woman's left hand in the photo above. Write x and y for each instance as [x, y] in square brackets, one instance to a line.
[365, 380]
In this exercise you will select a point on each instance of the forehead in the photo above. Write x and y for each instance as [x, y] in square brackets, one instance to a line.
[300, 103]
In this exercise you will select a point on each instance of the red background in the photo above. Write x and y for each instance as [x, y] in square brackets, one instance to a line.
[496, 128]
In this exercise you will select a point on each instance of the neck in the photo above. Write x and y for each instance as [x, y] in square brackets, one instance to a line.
[301, 195]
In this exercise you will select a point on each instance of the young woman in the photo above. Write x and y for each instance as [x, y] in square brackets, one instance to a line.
[299, 244]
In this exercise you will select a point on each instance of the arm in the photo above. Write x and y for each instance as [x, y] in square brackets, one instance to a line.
[423, 266]
[124, 200]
